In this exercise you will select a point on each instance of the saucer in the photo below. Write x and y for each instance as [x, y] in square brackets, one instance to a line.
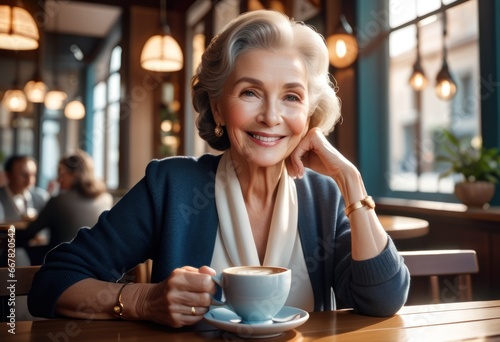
[220, 318]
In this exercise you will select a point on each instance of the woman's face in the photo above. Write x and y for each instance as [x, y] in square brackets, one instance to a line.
[65, 177]
[264, 106]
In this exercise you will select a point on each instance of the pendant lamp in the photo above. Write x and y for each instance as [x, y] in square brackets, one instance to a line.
[14, 99]
[418, 80]
[55, 98]
[161, 52]
[446, 88]
[18, 30]
[342, 45]
[75, 110]
[36, 89]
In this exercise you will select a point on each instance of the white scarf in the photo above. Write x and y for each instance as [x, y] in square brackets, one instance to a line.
[235, 245]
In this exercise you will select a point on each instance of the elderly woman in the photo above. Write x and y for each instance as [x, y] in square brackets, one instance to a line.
[276, 196]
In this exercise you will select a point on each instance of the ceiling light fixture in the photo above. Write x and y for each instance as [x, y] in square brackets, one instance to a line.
[18, 29]
[75, 110]
[54, 100]
[14, 100]
[342, 45]
[161, 52]
[36, 89]
[446, 88]
[418, 81]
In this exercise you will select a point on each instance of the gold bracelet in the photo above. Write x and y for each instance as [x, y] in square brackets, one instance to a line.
[365, 202]
[118, 308]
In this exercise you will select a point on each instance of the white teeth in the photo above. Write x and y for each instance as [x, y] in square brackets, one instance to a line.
[266, 139]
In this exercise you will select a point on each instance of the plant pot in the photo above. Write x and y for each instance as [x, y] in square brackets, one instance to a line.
[475, 194]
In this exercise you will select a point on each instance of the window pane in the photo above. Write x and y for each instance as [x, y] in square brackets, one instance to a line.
[426, 6]
[99, 143]
[100, 96]
[116, 59]
[113, 146]
[402, 41]
[417, 118]
[114, 88]
[401, 11]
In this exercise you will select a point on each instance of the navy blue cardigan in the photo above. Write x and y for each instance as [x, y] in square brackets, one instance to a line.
[170, 217]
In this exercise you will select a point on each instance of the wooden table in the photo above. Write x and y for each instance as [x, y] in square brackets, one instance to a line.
[436, 322]
[403, 227]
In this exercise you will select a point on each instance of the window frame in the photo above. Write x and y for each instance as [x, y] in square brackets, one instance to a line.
[373, 104]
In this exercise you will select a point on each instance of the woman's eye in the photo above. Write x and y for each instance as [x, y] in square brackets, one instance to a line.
[292, 97]
[248, 93]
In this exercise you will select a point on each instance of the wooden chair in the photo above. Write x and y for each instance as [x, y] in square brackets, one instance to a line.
[22, 278]
[435, 263]
[141, 273]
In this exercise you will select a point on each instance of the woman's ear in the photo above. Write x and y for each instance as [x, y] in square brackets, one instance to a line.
[215, 112]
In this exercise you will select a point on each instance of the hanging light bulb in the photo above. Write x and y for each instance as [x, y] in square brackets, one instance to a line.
[35, 91]
[418, 81]
[446, 88]
[14, 100]
[18, 30]
[55, 99]
[161, 52]
[342, 45]
[75, 110]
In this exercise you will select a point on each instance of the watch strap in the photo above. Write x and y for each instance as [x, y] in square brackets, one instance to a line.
[365, 202]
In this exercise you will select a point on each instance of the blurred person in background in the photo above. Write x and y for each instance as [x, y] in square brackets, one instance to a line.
[20, 198]
[81, 199]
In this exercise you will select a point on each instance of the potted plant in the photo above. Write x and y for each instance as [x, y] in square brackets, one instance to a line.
[479, 166]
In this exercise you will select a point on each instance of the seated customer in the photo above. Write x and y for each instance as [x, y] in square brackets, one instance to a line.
[81, 200]
[20, 199]
[276, 196]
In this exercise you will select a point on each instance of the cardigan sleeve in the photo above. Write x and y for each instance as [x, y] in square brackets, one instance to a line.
[118, 241]
[376, 287]
[164, 217]
[379, 286]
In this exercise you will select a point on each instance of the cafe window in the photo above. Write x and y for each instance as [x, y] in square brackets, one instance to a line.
[106, 122]
[406, 124]
[416, 117]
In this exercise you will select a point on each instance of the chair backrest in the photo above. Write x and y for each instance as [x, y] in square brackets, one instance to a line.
[435, 263]
[22, 277]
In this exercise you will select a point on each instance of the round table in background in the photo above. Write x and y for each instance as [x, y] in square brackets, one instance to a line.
[403, 227]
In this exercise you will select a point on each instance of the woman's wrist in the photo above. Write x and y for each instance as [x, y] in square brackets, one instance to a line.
[133, 299]
[351, 185]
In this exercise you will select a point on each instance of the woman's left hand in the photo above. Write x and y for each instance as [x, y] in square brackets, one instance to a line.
[315, 152]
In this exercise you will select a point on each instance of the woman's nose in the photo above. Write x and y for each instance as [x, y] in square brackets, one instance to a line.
[271, 113]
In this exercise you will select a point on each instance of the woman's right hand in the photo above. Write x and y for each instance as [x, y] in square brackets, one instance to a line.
[171, 301]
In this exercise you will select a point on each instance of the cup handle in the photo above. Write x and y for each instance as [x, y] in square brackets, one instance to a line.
[218, 281]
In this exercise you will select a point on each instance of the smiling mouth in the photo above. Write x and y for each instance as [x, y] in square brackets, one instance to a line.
[264, 139]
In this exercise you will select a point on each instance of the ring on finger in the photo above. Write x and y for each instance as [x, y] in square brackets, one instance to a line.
[193, 311]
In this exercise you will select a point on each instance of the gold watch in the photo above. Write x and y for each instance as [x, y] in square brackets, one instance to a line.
[365, 202]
